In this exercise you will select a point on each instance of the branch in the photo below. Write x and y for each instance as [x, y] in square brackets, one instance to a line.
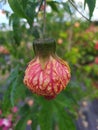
[40, 5]
[78, 10]
[44, 26]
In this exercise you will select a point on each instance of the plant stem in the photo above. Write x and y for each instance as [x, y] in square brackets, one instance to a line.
[40, 5]
[44, 19]
[78, 10]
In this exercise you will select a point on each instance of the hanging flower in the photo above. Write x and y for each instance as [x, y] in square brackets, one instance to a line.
[46, 75]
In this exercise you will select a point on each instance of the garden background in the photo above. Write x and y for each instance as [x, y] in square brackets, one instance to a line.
[76, 107]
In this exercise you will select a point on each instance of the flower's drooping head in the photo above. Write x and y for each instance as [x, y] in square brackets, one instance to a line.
[47, 74]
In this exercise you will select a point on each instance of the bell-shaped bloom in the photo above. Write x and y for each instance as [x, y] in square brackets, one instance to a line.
[47, 74]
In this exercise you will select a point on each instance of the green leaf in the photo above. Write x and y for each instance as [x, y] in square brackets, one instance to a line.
[45, 115]
[17, 8]
[16, 28]
[30, 11]
[24, 3]
[53, 5]
[64, 120]
[24, 9]
[17, 88]
[35, 111]
[23, 121]
[67, 7]
[67, 100]
[24, 109]
[14, 85]
[91, 5]
[34, 124]
[15, 21]
[6, 104]
[25, 114]
[13, 74]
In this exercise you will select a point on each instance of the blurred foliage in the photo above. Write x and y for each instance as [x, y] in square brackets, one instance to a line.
[76, 42]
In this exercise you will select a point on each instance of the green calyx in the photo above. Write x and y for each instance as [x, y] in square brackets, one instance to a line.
[44, 47]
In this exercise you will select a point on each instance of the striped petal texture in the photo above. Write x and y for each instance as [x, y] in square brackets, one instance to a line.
[47, 78]
[48, 81]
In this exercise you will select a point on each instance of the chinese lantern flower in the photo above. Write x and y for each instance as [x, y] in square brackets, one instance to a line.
[47, 74]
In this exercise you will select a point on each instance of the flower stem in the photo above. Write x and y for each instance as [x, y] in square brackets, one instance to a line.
[44, 19]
